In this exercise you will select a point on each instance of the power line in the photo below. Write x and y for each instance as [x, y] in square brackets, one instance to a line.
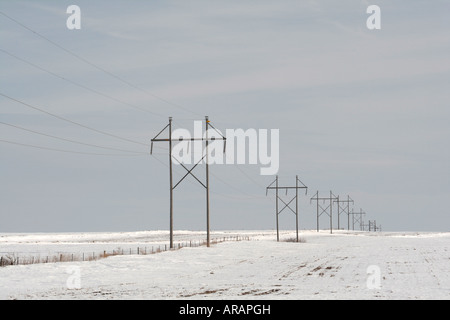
[100, 68]
[69, 140]
[72, 122]
[67, 151]
[97, 92]
[214, 175]
[96, 66]
[80, 85]
[108, 134]
[236, 189]
[248, 176]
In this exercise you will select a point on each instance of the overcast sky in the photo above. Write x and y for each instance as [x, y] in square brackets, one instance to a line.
[361, 112]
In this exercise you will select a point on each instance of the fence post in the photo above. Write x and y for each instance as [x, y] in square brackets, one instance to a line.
[83, 257]
[138, 250]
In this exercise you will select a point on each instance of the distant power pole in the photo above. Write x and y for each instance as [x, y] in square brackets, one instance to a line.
[373, 225]
[358, 218]
[344, 208]
[286, 205]
[189, 171]
[328, 210]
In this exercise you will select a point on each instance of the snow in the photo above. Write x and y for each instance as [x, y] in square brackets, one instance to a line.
[413, 265]
[41, 245]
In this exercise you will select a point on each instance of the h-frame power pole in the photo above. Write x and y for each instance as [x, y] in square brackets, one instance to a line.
[344, 208]
[328, 210]
[373, 226]
[287, 205]
[205, 138]
[357, 219]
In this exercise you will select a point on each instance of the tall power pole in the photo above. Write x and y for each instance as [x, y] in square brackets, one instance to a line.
[205, 138]
[208, 238]
[327, 210]
[286, 205]
[344, 206]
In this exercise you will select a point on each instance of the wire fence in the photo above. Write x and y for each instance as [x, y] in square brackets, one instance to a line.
[13, 259]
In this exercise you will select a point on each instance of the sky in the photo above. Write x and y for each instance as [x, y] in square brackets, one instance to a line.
[360, 112]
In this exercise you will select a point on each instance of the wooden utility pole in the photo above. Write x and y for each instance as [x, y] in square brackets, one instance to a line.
[345, 208]
[286, 205]
[189, 171]
[328, 210]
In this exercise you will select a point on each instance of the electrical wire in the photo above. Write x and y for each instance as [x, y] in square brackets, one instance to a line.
[92, 90]
[68, 151]
[248, 177]
[84, 60]
[71, 121]
[96, 66]
[236, 189]
[81, 85]
[69, 140]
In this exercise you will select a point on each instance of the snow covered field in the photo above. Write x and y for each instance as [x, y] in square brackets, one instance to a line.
[42, 245]
[401, 266]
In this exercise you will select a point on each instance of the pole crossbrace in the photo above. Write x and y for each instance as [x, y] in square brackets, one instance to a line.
[189, 172]
[286, 205]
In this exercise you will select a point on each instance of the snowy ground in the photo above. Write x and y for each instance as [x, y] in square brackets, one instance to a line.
[42, 245]
[411, 265]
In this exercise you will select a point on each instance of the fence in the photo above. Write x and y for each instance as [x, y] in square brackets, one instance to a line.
[13, 259]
